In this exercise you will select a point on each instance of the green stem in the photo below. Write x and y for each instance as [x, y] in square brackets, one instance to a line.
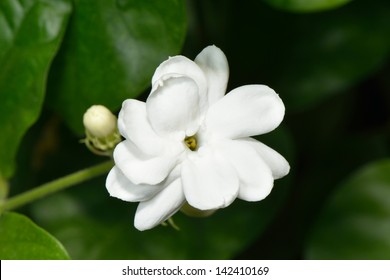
[56, 185]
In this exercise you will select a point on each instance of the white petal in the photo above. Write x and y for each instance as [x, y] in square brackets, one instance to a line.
[255, 176]
[173, 106]
[214, 64]
[134, 125]
[245, 111]
[141, 168]
[120, 187]
[156, 210]
[181, 65]
[276, 162]
[121, 124]
[209, 182]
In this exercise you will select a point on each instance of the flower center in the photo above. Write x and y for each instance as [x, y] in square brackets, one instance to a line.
[191, 142]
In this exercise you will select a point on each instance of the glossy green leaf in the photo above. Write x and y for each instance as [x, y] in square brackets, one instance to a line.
[308, 58]
[21, 239]
[338, 50]
[110, 52]
[306, 5]
[30, 35]
[355, 223]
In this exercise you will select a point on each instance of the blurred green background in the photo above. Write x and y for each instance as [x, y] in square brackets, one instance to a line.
[328, 60]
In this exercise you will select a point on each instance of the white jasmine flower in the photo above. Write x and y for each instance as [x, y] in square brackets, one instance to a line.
[189, 143]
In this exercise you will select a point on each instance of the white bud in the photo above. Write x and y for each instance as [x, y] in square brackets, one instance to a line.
[99, 121]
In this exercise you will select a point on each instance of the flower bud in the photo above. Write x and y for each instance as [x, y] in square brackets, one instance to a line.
[101, 130]
[99, 121]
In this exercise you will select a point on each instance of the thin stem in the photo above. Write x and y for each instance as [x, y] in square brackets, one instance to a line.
[56, 185]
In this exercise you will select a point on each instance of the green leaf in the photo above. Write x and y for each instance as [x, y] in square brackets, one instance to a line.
[30, 34]
[306, 5]
[355, 223]
[110, 52]
[308, 58]
[21, 239]
[337, 50]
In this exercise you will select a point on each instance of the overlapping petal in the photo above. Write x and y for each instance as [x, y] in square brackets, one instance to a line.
[275, 161]
[173, 107]
[121, 124]
[133, 124]
[209, 181]
[255, 176]
[140, 168]
[245, 111]
[181, 65]
[215, 66]
[120, 187]
[162, 206]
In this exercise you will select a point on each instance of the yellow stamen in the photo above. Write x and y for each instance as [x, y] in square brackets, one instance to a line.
[191, 142]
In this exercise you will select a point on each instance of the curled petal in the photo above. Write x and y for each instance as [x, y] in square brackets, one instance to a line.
[162, 206]
[140, 168]
[120, 187]
[214, 64]
[173, 106]
[209, 182]
[255, 176]
[276, 162]
[181, 65]
[133, 124]
[245, 111]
